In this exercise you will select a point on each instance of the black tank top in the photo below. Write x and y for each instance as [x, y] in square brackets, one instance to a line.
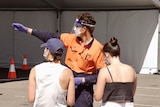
[118, 91]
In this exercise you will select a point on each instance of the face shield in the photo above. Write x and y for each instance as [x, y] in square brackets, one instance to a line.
[78, 25]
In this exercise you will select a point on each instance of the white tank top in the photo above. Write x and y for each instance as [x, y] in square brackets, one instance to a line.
[48, 90]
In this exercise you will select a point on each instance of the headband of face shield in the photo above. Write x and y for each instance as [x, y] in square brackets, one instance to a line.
[77, 26]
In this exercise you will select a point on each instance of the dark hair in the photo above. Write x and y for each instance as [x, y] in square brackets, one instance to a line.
[112, 47]
[57, 56]
[88, 19]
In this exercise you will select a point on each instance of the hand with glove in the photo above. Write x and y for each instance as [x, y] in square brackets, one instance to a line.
[79, 80]
[20, 27]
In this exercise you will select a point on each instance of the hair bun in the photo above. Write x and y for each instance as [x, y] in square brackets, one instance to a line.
[113, 41]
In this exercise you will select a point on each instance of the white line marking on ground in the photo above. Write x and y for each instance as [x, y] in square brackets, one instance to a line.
[20, 96]
[144, 105]
[148, 95]
[151, 88]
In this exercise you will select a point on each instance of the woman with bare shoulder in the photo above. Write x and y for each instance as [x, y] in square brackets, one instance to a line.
[50, 83]
[116, 83]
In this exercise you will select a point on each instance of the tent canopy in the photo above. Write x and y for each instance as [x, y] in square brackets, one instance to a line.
[78, 4]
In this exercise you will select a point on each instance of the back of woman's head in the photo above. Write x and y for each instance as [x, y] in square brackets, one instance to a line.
[57, 56]
[112, 47]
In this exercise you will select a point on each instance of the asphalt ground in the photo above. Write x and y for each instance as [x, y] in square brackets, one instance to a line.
[13, 93]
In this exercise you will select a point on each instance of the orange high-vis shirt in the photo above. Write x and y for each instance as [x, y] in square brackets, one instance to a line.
[82, 59]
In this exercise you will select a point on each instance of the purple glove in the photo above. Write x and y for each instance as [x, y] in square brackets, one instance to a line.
[20, 27]
[78, 80]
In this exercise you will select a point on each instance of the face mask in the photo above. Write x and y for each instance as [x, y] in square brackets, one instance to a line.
[45, 54]
[106, 61]
[77, 31]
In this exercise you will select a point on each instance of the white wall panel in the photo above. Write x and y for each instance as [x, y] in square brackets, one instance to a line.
[151, 58]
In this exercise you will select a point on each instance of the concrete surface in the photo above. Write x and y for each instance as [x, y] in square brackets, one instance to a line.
[14, 94]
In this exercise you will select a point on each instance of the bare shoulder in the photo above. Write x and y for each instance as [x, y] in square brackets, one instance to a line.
[66, 78]
[103, 73]
[33, 70]
[67, 72]
[32, 73]
[103, 70]
[129, 67]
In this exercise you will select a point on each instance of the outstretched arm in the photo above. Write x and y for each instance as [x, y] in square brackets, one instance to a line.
[42, 35]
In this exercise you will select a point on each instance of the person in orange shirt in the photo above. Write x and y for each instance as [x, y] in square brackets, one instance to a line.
[84, 54]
